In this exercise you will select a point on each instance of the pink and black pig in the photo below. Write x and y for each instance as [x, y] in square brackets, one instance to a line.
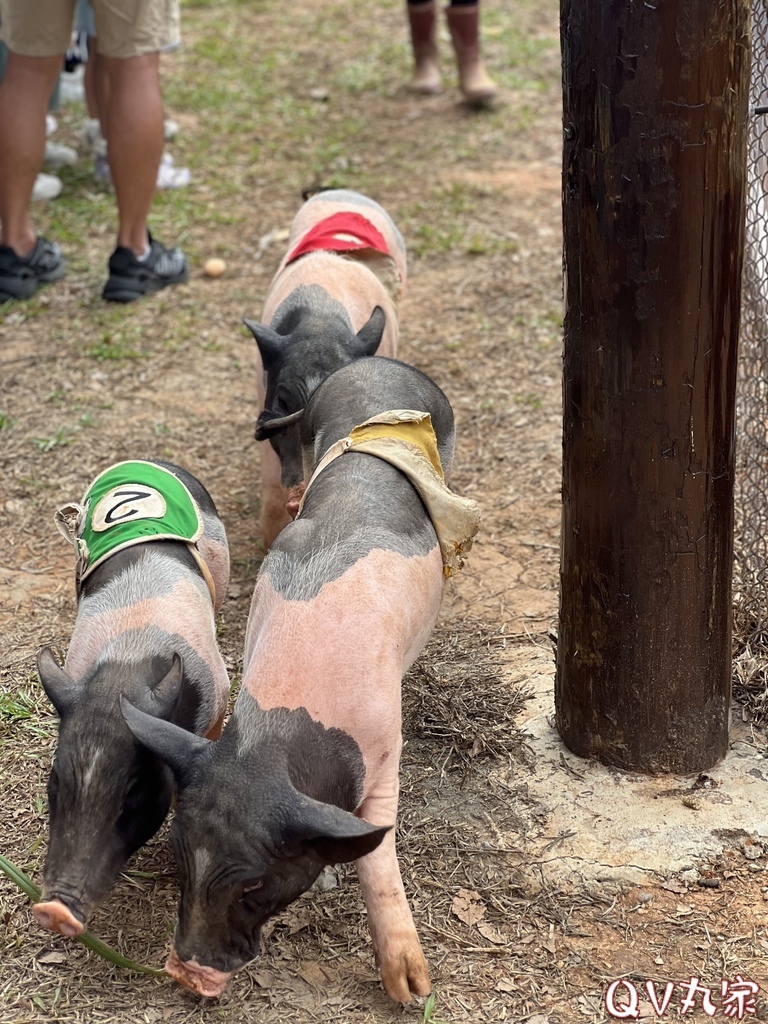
[333, 299]
[306, 771]
[145, 627]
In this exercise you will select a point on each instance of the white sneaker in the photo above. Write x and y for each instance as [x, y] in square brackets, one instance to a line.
[47, 186]
[170, 176]
[71, 89]
[95, 141]
[91, 130]
[57, 155]
[101, 171]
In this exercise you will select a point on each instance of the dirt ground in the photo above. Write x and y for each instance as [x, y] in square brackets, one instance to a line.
[269, 103]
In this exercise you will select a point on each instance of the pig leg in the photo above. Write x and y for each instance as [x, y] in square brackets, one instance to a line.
[274, 497]
[395, 942]
[293, 500]
[215, 730]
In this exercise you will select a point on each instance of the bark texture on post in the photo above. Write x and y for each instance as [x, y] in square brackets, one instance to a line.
[655, 110]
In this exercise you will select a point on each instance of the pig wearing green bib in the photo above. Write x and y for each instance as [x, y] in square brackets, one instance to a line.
[151, 570]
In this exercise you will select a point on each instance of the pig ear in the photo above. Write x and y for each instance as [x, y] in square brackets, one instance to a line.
[267, 426]
[335, 835]
[369, 336]
[61, 688]
[174, 745]
[270, 342]
[166, 692]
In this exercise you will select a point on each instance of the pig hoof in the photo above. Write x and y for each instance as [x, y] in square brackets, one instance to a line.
[56, 917]
[406, 975]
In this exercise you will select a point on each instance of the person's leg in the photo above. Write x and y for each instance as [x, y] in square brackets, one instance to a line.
[464, 24]
[133, 127]
[129, 42]
[24, 94]
[422, 22]
[89, 81]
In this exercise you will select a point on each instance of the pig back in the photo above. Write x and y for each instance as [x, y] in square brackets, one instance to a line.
[331, 202]
[212, 544]
[345, 600]
[151, 600]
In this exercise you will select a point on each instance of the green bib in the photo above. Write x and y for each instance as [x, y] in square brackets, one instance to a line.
[129, 503]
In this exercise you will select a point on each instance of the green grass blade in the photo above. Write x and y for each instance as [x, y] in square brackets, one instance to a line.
[94, 943]
[23, 881]
[88, 939]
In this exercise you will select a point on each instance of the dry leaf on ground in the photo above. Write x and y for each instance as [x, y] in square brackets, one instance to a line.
[468, 906]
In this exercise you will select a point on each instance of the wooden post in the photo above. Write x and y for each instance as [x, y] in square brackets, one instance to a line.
[655, 113]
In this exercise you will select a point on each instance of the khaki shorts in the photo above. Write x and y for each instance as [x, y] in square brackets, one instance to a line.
[124, 28]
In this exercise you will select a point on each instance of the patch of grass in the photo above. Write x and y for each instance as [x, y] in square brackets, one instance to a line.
[32, 483]
[184, 329]
[374, 72]
[26, 708]
[60, 439]
[114, 347]
[522, 55]
[447, 220]
[16, 707]
[429, 1010]
[435, 239]
[531, 401]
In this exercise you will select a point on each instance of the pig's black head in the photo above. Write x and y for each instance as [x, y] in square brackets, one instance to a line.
[107, 794]
[247, 842]
[310, 347]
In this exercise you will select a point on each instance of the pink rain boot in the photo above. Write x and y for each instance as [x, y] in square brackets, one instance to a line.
[463, 22]
[422, 19]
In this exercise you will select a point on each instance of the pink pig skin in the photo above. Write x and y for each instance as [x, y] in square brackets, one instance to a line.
[342, 656]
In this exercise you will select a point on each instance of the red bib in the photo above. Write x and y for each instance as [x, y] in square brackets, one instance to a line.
[341, 232]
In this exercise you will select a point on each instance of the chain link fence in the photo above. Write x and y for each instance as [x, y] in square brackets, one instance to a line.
[751, 540]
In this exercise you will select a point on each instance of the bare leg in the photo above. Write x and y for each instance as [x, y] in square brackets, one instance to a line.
[100, 86]
[94, 82]
[133, 127]
[24, 94]
[89, 81]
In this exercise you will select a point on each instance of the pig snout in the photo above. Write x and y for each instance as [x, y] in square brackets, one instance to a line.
[56, 916]
[295, 494]
[206, 981]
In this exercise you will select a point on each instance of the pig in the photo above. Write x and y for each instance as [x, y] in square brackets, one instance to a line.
[145, 626]
[333, 299]
[306, 771]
